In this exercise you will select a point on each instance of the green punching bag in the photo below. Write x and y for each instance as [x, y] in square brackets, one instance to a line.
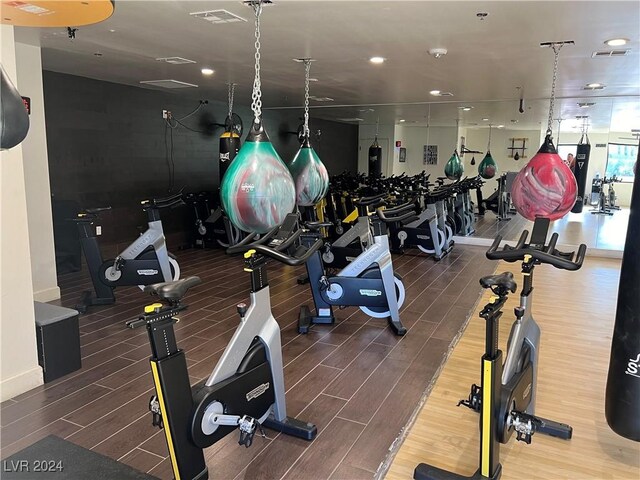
[309, 175]
[257, 189]
[488, 167]
[454, 167]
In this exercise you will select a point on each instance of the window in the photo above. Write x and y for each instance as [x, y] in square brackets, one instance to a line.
[566, 149]
[620, 161]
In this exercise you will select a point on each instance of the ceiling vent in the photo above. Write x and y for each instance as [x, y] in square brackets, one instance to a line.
[218, 16]
[610, 53]
[354, 119]
[168, 84]
[586, 87]
[175, 60]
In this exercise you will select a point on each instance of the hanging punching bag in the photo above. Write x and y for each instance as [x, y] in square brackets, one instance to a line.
[229, 147]
[622, 399]
[488, 167]
[454, 167]
[14, 120]
[257, 189]
[310, 176]
[375, 159]
[580, 171]
[545, 187]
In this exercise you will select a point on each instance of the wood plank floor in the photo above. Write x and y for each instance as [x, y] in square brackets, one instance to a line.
[576, 311]
[356, 380]
[596, 231]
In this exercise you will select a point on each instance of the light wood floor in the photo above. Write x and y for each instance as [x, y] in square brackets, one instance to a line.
[576, 312]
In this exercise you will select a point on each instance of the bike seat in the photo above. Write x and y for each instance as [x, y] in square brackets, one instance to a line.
[503, 280]
[172, 291]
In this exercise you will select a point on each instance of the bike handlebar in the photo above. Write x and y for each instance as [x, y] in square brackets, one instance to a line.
[400, 218]
[546, 254]
[276, 253]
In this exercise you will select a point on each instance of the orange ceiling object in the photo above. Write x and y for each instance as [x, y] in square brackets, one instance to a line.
[64, 13]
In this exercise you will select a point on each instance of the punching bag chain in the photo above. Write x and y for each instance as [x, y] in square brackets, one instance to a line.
[232, 88]
[489, 142]
[256, 96]
[556, 52]
[307, 70]
[377, 126]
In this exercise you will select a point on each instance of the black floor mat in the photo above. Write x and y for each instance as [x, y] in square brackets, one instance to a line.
[55, 458]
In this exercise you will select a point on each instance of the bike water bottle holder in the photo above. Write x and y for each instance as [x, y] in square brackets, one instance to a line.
[154, 408]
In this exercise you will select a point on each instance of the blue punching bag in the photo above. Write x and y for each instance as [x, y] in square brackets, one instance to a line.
[622, 400]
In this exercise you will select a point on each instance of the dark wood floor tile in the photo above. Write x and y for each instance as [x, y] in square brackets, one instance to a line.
[439, 309]
[350, 349]
[372, 393]
[141, 460]
[297, 347]
[49, 414]
[65, 390]
[341, 333]
[409, 346]
[226, 459]
[352, 377]
[101, 357]
[349, 472]
[452, 323]
[156, 444]
[322, 457]
[301, 366]
[95, 409]
[124, 376]
[60, 428]
[163, 470]
[111, 423]
[303, 393]
[128, 438]
[421, 303]
[396, 410]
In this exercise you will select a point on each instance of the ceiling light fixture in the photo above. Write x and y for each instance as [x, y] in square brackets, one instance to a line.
[485, 119]
[465, 109]
[594, 85]
[207, 71]
[377, 60]
[402, 120]
[437, 52]
[500, 126]
[617, 42]
[435, 93]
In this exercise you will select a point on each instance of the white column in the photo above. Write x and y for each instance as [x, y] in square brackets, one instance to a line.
[19, 369]
[36, 177]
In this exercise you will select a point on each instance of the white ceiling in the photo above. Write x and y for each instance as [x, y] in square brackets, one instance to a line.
[486, 59]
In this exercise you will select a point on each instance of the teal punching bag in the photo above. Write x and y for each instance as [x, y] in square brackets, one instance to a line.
[309, 173]
[488, 167]
[257, 190]
[622, 398]
[454, 168]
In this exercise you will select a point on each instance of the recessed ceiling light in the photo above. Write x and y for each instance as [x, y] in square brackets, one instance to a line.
[435, 93]
[500, 126]
[594, 85]
[585, 104]
[111, 30]
[402, 120]
[617, 42]
[207, 71]
[485, 119]
[313, 79]
[465, 109]
[377, 60]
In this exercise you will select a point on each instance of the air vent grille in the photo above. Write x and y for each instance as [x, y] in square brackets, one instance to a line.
[168, 84]
[610, 53]
[218, 16]
[593, 88]
[175, 60]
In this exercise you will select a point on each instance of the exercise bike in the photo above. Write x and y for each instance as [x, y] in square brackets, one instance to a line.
[146, 261]
[368, 282]
[244, 392]
[507, 395]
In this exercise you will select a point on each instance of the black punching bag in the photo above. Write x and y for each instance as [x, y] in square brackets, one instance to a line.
[375, 159]
[580, 171]
[622, 401]
[14, 120]
[229, 146]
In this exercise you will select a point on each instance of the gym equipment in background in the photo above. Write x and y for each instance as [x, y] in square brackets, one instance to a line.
[606, 201]
[454, 168]
[546, 187]
[230, 139]
[309, 173]
[375, 155]
[144, 262]
[488, 166]
[583, 152]
[506, 396]
[245, 389]
[368, 282]
[623, 380]
[14, 119]
[257, 190]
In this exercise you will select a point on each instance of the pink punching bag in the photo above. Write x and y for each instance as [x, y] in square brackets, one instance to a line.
[546, 186]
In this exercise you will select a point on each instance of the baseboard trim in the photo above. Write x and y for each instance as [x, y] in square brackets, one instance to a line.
[23, 382]
[47, 295]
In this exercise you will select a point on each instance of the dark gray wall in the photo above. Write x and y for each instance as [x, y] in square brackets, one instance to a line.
[107, 146]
